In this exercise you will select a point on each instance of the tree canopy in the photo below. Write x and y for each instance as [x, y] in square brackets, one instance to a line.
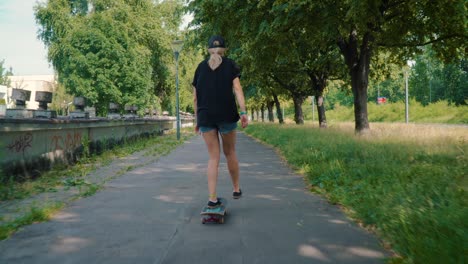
[272, 33]
[110, 51]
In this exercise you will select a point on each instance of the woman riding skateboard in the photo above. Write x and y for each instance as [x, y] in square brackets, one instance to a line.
[215, 83]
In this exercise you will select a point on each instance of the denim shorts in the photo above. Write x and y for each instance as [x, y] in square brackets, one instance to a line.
[222, 128]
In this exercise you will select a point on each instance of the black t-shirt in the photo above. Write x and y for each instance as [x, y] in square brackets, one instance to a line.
[215, 96]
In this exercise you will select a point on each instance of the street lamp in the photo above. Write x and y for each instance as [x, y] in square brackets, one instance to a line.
[176, 48]
[410, 65]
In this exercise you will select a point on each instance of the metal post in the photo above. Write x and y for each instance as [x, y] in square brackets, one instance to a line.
[177, 94]
[406, 98]
[378, 93]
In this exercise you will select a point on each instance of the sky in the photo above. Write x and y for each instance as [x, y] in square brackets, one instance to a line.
[19, 46]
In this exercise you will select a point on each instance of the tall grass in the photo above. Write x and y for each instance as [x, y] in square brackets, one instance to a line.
[439, 112]
[408, 183]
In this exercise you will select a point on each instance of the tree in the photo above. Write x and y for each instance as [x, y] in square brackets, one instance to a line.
[316, 54]
[365, 28]
[251, 44]
[61, 101]
[116, 51]
[360, 30]
[188, 61]
[432, 80]
[274, 42]
[4, 73]
[455, 79]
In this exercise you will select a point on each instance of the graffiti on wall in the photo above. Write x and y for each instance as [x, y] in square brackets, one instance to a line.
[68, 142]
[21, 143]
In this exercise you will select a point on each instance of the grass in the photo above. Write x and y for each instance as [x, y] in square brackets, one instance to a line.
[75, 176]
[406, 182]
[439, 112]
[36, 214]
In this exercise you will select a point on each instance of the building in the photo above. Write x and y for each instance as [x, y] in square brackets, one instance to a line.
[33, 83]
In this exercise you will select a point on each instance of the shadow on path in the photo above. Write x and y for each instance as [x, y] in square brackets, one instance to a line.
[151, 215]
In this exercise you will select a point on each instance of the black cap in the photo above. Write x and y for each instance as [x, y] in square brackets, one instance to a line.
[216, 42]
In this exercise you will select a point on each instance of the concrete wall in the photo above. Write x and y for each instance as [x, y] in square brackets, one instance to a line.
[27, 144]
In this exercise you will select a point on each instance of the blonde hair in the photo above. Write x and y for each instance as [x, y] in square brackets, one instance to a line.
[216, 57]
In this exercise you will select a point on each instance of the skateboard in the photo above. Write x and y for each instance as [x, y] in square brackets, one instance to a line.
[214, 215]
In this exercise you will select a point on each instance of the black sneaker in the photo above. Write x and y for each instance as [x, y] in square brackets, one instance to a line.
[237, 195]
[214, 204]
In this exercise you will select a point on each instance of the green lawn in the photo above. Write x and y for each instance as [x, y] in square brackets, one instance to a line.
[440, 112]
[406, 182]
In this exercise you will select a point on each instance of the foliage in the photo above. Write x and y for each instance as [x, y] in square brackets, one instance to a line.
[116, 51]
[257, 45]
[4, 73]
[338, 93]
[421, 209]
[290, 37]
[432, 80]
[188, 61]
[61, 101]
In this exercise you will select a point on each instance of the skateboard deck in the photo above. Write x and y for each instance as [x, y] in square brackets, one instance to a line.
[214, 215]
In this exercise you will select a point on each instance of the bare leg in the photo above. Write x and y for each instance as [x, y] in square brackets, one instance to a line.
[212, 143]
[229, 149]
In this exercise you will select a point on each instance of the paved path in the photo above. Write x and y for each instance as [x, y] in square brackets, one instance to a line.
[151, 215]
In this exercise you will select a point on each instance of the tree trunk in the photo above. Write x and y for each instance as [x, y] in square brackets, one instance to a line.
[319, 82]
[252, 113]
[358, 64]
[321, 110]
[359, 87]
[262, 111]
[298, 115]
[270, 105]
[279, 114]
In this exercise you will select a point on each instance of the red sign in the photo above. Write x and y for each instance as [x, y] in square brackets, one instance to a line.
[381, 100]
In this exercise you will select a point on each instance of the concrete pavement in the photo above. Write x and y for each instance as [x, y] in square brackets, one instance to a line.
[151, 215]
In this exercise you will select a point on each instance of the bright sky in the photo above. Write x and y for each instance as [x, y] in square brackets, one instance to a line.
[19, 46]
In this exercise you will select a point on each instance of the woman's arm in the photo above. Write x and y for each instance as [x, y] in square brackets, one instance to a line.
[240, 100]
[195, 108]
